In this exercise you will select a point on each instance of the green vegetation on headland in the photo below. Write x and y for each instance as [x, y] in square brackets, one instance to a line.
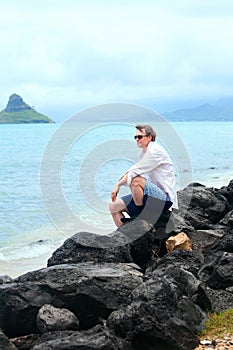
[24, 117]
[18, 112]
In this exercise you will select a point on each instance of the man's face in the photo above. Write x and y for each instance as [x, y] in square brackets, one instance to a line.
[142, 139]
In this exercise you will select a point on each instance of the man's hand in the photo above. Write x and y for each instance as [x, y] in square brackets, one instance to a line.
[115, 192]
[116, 189]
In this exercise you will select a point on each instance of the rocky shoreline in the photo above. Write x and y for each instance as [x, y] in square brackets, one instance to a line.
[123, 290]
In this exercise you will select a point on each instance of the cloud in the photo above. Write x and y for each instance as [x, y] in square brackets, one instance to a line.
[60, 52]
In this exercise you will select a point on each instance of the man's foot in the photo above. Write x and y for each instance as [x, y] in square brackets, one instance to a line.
[167, 205]
[125, 220]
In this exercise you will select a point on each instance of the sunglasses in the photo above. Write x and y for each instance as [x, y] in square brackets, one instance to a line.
[139, 137]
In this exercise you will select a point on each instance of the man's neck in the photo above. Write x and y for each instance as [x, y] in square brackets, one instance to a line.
[145, 147]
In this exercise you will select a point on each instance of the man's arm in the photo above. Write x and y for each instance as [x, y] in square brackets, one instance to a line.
[120, 182]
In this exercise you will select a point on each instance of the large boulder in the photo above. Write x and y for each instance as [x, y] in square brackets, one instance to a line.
[168, 309]
[159, 317]
[202, 206]
[113, 247]
[90, 291]
[133, 242]
[97, 338]
[86, 246]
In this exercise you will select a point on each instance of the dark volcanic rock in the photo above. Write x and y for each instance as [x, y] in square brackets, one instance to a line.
[228, 219]
[202, 206]
[227, 191]
[204, 239]
[25, 342]
[5, 279]
[159, 304]
[217, 273]
[86, 246]
[142, 238]
[190, 260]
[223, 244]
[16, 104]
[166, 311]
[5, 343]
[90, 291]
[159, 317]
[97, 338]
[50, 318]
[130, 243]
[221, 300]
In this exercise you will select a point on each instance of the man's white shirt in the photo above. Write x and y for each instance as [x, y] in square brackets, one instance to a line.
[155, 165]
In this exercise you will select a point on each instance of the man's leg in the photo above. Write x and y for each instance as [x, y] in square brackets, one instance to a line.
[137, 189]
[116, 209]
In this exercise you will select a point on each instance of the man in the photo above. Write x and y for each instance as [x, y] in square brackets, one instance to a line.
[151, 181]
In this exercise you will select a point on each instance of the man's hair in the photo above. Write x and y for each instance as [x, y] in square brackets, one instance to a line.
[148, 130]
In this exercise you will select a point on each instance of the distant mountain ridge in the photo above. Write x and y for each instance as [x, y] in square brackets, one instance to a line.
[19, 112]
[205, 112]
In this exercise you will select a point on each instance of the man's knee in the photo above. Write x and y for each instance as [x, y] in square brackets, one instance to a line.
[111, 207]
[138, 181]
[117, 206]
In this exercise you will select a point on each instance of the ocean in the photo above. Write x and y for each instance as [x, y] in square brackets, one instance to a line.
[56, 181]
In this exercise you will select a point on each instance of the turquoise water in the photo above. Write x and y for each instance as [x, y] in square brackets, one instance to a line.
[34, 216]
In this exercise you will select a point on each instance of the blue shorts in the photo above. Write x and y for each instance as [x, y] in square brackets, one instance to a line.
[150, 191]
[154, 191]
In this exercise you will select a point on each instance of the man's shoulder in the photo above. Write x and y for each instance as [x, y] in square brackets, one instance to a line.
[153, 145]
[157, 149]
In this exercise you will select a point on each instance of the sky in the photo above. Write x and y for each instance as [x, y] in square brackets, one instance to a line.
[62, 56]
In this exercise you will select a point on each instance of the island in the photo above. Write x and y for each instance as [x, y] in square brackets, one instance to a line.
[19, 112]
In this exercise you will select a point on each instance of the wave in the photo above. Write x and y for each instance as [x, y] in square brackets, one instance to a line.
[28, 251]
